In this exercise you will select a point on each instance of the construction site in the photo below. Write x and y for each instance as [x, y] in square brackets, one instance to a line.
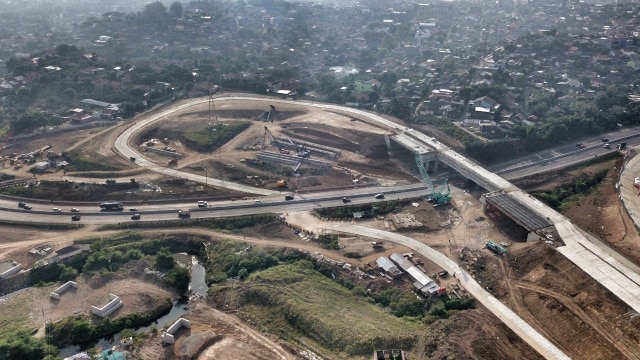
[281, 148]
[299, 149]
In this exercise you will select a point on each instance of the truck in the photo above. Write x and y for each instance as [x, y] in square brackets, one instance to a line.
[184, 213]
[111, 206]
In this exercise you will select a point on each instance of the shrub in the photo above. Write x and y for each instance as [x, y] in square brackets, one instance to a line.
[20, 345]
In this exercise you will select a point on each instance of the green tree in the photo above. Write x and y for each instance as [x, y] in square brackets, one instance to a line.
[175, 10]
[20, 345]
[180, 279]
[67, 273]
[155, 15]
[164, 260]
[398, 109]
[243, 273]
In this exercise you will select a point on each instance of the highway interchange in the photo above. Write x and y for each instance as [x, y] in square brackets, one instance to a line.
[271, 201]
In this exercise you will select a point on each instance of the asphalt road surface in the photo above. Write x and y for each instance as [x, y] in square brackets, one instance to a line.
[563, 156]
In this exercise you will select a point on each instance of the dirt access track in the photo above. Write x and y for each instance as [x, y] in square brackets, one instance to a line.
[537, 283]
[359, 150]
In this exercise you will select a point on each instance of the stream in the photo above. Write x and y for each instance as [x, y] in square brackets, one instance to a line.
[197, 286]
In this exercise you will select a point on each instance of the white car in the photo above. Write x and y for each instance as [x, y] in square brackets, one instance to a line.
[57, 210]
[75, 210]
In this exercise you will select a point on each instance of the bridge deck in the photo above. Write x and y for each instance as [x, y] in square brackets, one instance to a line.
[520, 213]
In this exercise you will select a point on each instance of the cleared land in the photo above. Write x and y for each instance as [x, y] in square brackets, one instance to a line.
[534, 280]
[33, 307]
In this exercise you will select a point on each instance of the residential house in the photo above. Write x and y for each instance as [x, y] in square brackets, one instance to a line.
[484, 108]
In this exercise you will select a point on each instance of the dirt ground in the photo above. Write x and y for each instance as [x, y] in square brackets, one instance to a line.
[358, 142]
[539, 284]
[33, 306]
[225, 337]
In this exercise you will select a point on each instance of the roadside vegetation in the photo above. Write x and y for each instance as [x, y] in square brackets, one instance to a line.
[79, 162]
[296, 300]
[71, 191]
[346, 212]
[567, 195]
[229, 223]
[289, 294]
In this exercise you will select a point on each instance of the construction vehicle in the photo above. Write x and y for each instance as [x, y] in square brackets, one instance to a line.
[441, 196]
[496, 248]
[282, 183]
[273, 139]
[622, 146]
[301, 152]
[112, 206]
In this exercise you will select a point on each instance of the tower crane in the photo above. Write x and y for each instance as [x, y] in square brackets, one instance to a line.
[441, 196]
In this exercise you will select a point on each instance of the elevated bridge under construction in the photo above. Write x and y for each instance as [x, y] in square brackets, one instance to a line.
[600, 262]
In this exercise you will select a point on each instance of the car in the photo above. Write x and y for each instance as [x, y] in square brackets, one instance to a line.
[135, 217]
[346, 200]
[582, 146]
[75, 218]
[21, 204]
[27, 207]
[605, 140]
[606, 146]
[75, 210]
[257, 201]
[379, 196]
[579, 144]
[133, 209]
[202, 204]
[56, 210]
[288, 197]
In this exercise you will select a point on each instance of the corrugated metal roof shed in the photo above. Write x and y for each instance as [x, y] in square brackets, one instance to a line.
[419, 276]
[388, 266]
[401, 261]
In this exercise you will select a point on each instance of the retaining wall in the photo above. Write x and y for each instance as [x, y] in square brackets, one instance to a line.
[167, 337]
[55, 294]
[14, 270]
[114, 304]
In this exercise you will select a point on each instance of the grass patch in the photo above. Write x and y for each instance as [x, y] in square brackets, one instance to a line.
[233, 223]
[79, 162]
[213, 137]
[46, 226]
[300, 298]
